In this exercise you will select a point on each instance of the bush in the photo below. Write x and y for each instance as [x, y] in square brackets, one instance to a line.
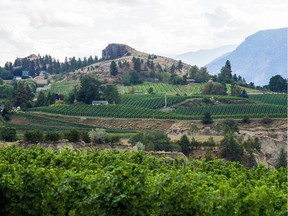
[8, 134]
[52, 136]
[7, 117]
[112, 139]
[73, 135]
[245, 120]
[266, 120]
[33, 136]
[207, 119]
[85, 137]
[98, 135]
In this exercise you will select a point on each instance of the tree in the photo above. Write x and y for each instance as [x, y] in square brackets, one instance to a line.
[225, 73]
[89, 90]
[282, 159]
[193, 71]
[113, 68]
[33, 136]
[150, 90]
[235, 90]
[202, 75]
[180, 65]
[8, 134]
[207, 118]
[213, 88]
[278, 84]
[41, 100]
[185, 144]
[73, 135]
[112, 95]
[244, 94]
[231, 149]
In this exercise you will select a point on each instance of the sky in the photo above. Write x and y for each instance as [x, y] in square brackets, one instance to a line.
[165, 27]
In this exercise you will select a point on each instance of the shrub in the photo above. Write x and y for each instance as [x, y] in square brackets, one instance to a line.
[8, 134]
[245, 120]
[7, 117]
[266, 120]
[85, 137]
[207, 118]
[52, 136]
[98, 135]
[73, 135]
[33, 136]
[112, 139]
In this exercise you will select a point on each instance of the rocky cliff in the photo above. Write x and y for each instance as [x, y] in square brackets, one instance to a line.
[114, 51]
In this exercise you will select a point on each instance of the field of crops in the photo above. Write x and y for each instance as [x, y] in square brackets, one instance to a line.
[196, 112]
[252, 110]
[40, 181]
[277, 99]
[63, 87]
[151, 101]
[164, 88]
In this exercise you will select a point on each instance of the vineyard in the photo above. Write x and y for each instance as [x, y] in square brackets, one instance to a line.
[279, 99]
[189, 113]
[164, 88]
[40, 181]
[151, 101]
[63, 87]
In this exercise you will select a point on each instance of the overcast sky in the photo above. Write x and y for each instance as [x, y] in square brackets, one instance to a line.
[166, 27]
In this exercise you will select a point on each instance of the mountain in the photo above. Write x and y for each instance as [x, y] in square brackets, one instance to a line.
[204, 56]
[261, 56]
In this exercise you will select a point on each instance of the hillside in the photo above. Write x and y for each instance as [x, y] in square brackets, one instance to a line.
[204, 56]
[258, 58]
[124, 53]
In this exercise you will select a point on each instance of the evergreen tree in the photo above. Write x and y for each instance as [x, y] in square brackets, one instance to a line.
[41, 100]
[207, 118]
[231, 149]
[225, 73]
[278, 84]
[185, 144]
[113, 68]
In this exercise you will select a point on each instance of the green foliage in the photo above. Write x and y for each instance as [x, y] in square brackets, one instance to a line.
[150, 90]
[33, 137]
[112, 95]
[231, 149]
[278, 84]
[38, 181]
[185, 144]
[85, 137]
[153, 140]
[6, 91]
[52, 136]
[23, 93]
[225, 73]
[207, 118]
[282, 159]
[236, 90]
[41, 100]
[246, 120]
[73, 135]
[89, 90]
[98, 135]
[266, 120]
[113, 68]
[213, 88]
[277, 99]
[8, 134]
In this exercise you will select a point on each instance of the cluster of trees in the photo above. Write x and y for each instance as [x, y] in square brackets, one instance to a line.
[92, 89]
[35, 64]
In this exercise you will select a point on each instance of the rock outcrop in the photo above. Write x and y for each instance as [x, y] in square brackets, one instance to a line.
[113, 51]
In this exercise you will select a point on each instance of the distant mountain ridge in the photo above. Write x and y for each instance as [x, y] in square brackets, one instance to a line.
[204, 56]
[261, 56]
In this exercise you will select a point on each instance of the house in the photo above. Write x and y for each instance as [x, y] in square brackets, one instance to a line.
[190, 81]
[25, 73]
[100, 103]
[155, 80]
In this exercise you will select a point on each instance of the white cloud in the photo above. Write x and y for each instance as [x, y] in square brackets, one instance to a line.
[83, 27]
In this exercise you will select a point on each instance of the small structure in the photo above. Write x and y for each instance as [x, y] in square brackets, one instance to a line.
[25, 73]
[17, 78]
[190, 81]
[155, 80]
[42, 73]
[100, 103]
